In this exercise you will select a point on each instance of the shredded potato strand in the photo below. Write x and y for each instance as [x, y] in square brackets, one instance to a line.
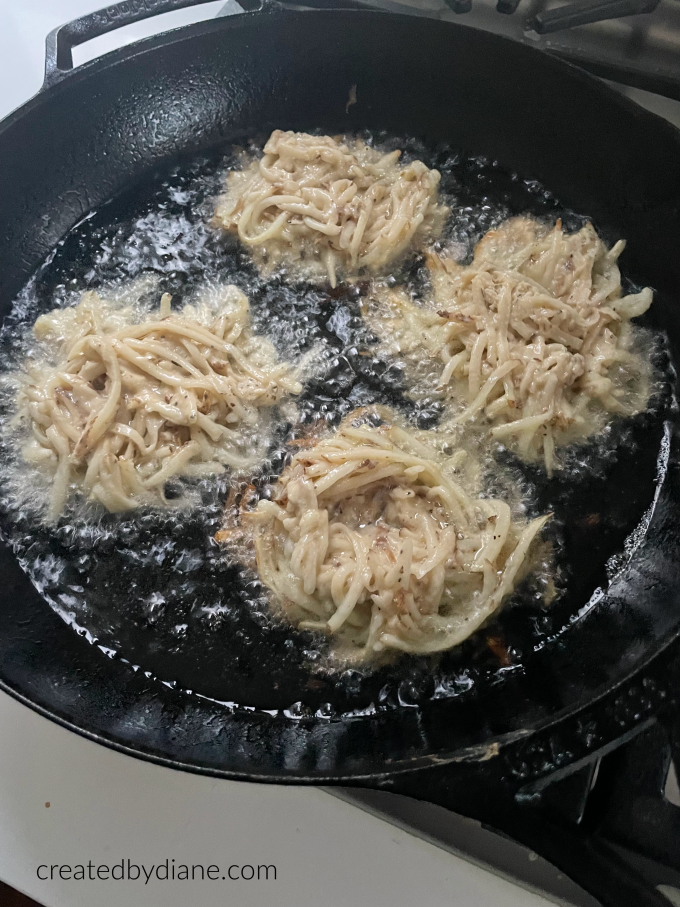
[130, 405]
[368, 539]
[530, 329]
[346, 206]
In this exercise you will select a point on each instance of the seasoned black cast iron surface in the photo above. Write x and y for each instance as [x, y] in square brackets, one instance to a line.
[156, 122]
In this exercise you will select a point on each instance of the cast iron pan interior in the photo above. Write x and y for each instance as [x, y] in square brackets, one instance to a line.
[110, 131]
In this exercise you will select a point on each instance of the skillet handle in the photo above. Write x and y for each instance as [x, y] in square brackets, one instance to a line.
[61, 41]
[611, 830]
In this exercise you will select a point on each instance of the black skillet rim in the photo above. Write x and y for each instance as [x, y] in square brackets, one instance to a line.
[304, 736]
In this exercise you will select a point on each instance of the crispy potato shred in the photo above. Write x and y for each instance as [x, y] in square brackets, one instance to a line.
[130, 404]
[529, 332]
[339, 206]
[368, 538]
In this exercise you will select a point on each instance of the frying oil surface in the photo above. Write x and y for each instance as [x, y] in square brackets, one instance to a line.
[186, 611]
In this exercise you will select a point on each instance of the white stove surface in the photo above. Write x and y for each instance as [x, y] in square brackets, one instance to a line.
[65, 801]
[105, 807]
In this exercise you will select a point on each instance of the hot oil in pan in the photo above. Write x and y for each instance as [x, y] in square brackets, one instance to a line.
[154, 589]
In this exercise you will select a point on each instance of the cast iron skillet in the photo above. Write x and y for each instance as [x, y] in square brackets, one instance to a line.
[94, 131]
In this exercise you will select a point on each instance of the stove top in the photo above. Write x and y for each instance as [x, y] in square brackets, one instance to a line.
[635, 780]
